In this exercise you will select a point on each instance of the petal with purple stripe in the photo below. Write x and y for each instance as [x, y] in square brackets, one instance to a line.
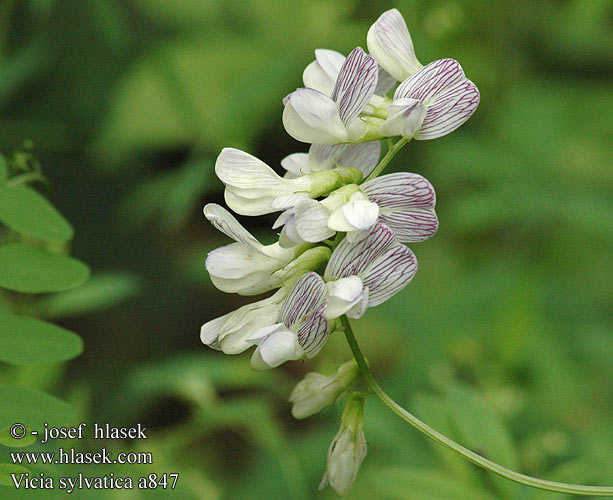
[401, 190]
[314, 331]
[431, 80]
[306, 295]
[225, 222]
[389, 41]
[449, 111]
[389, 273]
[356, 84]
[350, 259]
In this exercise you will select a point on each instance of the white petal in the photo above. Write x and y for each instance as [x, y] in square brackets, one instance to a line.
[389, 273]
[209, 332]
[363, 156]
[225, 222]
[297, 164]
[249, 206]
[241, 324]
[361, 214]
[402, 112]
[390, 42]
[289, 236]
[355, 85]
[430, 81]
[312, 117]
[358, 310]
[276, 349]
[314, 331]
[350, 259]
[385, 82]
[237, 261]
[330, 61]
[322, 73]
[304, 298]
[252, 284]
[241, 170]
[338, 222]
[311, 221]
[343, 295]
[449, 110]
[265, 331]
[288, 201]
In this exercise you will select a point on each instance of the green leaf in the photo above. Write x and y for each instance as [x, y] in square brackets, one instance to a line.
[405, 483]
[29, 341]
[32, 409]
[100, 292]
[7, 440]
[7, 469]
[25, 211]
[4, 168]
[33, 270]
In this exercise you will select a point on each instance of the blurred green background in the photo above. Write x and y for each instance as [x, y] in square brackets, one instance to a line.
[504, 339]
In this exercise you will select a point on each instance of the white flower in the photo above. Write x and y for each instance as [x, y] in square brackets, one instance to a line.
[314, 117]
[390, 43]
[302, 329]
[229, 332]
[246, 267]
[363, 156]
[366, 273]
[348, 448]
[252, 187]
[322, 73]
[316, 391]
[403, 201]
[432, 102]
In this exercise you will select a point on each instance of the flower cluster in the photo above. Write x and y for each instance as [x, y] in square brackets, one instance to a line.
[342, 227]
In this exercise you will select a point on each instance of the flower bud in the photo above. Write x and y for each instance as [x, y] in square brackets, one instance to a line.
[348, 447]
[316, 391]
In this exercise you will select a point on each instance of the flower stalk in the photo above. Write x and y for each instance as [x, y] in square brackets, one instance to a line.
[484, 463]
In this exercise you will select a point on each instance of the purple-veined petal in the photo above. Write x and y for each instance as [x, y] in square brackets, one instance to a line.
[400, 190]
[314, 331]
[306, 295]
[389, 41]
[355, 85]
[430, 81]
[350, 259]
[313, 117]
[225, 222]
[411, 226]
[389, 273]
[449, 111]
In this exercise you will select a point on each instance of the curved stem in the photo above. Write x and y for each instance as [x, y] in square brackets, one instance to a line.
[476, 459]
[387, 158]
[25, 178]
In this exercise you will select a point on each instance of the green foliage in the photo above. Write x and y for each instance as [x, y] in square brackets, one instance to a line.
[28, 213]
[28, 341]
[7, 469]
[34, 270]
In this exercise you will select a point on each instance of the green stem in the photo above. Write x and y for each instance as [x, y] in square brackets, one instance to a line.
[25, 178]
[476, 459]
[387, 158]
